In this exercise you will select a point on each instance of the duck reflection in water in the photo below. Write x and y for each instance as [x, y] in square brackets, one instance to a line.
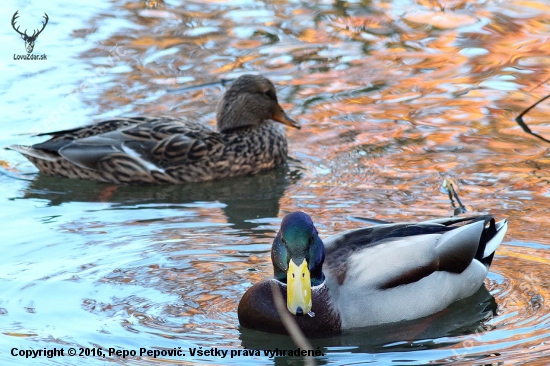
[244, 199]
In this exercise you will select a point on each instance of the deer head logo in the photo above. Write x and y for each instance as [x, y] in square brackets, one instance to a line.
[29, 40]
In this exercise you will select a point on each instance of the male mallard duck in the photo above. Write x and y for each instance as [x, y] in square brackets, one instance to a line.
[169, 150]
[370, 276]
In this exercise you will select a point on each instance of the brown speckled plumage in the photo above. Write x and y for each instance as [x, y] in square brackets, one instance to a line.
[166, 150]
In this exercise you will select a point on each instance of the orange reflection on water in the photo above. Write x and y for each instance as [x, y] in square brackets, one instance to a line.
[393, 97]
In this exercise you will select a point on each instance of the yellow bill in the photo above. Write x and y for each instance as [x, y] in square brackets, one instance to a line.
[298, 284]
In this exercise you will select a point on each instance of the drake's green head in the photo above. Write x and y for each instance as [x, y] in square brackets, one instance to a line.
[298, 255]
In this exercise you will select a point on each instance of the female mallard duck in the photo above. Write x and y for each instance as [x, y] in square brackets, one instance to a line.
[370, 276]
[168, 150]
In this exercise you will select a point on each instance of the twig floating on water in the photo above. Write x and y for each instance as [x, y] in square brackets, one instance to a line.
[291, 326]
[523, 125]
[449, 186]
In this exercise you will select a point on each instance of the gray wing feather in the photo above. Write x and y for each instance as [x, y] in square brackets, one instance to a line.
[385, 279]
[88, 151]
[457, 248]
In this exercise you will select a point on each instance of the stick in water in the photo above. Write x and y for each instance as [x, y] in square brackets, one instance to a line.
[523, 125]
[291, 326]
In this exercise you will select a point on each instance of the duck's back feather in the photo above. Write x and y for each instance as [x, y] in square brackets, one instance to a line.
[158, 150]
[96, 128]
[395, 272]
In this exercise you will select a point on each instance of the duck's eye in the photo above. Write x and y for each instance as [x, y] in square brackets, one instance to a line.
[303, 274]
[269, 93]
[293, 276]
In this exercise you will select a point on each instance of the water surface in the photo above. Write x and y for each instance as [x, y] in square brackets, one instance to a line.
[393, 96]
